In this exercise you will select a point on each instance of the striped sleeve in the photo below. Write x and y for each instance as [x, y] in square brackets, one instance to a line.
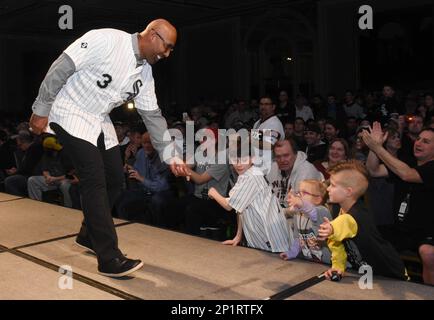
[244, 192]
[89, 49]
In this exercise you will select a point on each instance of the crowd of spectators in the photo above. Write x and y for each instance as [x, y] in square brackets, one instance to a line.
[391, 137]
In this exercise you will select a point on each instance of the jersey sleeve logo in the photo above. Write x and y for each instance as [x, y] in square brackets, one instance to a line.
[84, 45]
[107, 79]
[136, 88]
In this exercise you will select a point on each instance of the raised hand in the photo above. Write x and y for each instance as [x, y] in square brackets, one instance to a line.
[375, 138]
[325, 229]
[377, 133]
[294, 201]
[179, 168]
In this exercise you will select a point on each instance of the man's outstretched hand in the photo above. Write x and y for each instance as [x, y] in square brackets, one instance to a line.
[38, 124]
[179, 168]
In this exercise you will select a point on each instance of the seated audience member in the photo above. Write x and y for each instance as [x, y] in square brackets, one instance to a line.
[241, 117]
[352, 236]
[302, 110]
[298, 134]
[134, 145]
[121, 134]
[284, 111]
[197, 213]
[321, 124]
[414, 188]
[331, 131]
[27, 165]
[54, 166]
[388, 103]
[310, 212]
[335, 109]
[267, 131]
[429, 105]
[381, 189]
[316, 148]
[151, 190]
[372, 107]
[318, 106]
[360, 149]
[352, 108]
[288, 169]
[289, 129]
[258, 212]
[350, 131]
[199, 116]
[7, 160]
[338, 151]
[414, 125]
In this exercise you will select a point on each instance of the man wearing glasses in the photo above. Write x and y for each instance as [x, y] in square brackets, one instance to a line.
[103, 69]
[414, 187]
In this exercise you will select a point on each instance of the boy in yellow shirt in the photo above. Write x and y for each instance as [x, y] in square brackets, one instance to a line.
[352, 236]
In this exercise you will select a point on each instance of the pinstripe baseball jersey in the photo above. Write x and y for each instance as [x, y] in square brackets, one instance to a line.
[264, 226]
[108, 73]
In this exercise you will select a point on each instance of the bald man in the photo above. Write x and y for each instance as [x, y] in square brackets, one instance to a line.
[103, 69]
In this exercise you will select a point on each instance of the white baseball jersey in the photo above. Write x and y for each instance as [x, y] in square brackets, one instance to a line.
[305, 113]
[272, 131]
[108, 73]
[264, 226]
[275, 125]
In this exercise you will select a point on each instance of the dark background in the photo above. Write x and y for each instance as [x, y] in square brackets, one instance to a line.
[233, 49]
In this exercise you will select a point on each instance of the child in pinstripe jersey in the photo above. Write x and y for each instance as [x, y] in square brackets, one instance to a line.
[259, 215]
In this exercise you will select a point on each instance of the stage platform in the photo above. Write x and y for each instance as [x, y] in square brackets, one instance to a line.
[37, 238]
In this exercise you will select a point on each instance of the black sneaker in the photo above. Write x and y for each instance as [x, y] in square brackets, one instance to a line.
[120, 267]
[84, 243]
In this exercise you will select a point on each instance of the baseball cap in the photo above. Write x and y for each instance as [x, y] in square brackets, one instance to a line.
[313, 127]
[52, 144]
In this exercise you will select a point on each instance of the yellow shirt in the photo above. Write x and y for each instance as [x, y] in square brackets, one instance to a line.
[344, 227]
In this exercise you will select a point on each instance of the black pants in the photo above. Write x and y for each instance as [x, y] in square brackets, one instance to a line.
[192, 213]
[100, 177]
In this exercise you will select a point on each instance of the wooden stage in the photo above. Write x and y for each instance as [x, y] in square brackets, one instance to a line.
[37, 238]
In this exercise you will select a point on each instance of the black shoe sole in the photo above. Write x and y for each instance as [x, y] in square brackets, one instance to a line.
[84, 247]
[123, 274]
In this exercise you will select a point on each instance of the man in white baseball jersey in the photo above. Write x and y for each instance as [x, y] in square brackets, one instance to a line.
[98, 72]
[268, 130]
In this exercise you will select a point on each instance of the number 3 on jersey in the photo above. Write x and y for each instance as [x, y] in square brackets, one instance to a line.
[105, 82]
